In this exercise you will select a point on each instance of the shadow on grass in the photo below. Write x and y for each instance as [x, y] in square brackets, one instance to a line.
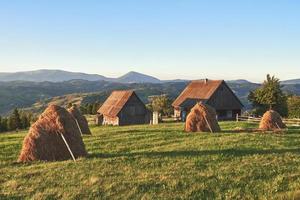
[153, 130]
[289, 130]
[191, 153]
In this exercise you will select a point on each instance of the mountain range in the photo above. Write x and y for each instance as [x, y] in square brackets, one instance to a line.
[60, 76]
[130, 77]
[34, 90]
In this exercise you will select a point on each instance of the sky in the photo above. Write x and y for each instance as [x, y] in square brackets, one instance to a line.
[168, 39]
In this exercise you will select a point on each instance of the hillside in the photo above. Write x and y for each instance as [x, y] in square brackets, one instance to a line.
[160, 162]
[22, 94]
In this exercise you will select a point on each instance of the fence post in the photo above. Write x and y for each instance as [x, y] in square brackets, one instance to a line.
[237, 117]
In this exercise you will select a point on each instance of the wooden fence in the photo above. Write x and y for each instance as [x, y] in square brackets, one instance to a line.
[292, 122]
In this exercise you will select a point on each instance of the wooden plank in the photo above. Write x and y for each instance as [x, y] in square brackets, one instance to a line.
[78, 127]
[68, 147]
[208, 124]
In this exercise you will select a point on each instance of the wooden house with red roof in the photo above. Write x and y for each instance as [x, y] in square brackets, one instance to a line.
[215, 93]
[124, 108]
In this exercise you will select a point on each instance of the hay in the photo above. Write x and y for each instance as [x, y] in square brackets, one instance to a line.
[202, 118]
[271, 120]
[44, 142]
[83, 123]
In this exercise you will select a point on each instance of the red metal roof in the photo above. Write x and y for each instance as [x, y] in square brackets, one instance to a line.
[200, 89]
[115, 102]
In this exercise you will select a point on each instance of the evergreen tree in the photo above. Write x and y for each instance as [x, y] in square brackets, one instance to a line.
[25, 121]
[4, 124]
[16, 117]
[95, 108]
[90, 109]
[11, 125]
[14, 121]
[83, 109]
[1, 124]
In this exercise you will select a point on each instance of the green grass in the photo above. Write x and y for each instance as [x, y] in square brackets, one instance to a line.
[160, 162]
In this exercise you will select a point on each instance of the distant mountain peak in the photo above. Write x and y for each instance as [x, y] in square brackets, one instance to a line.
[136, 77]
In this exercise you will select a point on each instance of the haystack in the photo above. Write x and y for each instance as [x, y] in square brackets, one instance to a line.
[81, 120]
[271, 120]
[202, 118]
[45, 141]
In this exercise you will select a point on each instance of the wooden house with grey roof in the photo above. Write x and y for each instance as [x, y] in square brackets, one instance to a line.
[124, 108]
[215, 93]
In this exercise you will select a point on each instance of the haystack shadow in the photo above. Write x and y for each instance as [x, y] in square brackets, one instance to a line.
[195, 153]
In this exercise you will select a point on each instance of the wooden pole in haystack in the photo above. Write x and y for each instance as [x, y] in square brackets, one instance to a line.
[78, 126]
[68, 147]
[277, 126]
[208, 124]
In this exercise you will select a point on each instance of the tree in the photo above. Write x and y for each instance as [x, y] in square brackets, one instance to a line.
[161, 104]
[4, 124]
[1, 125]
[96, 107]
[94, 110]
[83, 109]
[25, 120]
[16, 117]
[69, 105]
[14, 121]
[293, 103]
[89, 109]
[269, 96]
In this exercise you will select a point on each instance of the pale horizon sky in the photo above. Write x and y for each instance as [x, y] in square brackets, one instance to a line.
[166, 39]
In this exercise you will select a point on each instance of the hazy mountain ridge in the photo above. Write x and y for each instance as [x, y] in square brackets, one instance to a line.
[49, 75]
[292, 81]
[131, 77]
[60, 76]
[23, 94]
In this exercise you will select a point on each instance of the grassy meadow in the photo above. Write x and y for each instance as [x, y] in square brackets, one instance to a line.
[160, 162]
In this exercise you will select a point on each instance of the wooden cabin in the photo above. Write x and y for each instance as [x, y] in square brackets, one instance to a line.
[124, 108]
[215, 93]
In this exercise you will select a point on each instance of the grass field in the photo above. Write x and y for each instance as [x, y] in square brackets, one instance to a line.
[160, 162]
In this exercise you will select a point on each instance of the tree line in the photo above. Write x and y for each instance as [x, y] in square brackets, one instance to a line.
[270, 96]
[16, 120]
[90, 108]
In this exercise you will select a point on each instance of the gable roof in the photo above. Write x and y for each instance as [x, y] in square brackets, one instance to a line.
[200, 89]
[115, 102]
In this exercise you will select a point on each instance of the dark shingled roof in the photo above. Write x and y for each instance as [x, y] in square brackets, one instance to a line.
[115, 102]
[200, 89]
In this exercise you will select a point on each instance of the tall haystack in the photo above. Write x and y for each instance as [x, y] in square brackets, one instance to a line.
[271, 120]
[81, 120]
[45, 142]
[202, 118]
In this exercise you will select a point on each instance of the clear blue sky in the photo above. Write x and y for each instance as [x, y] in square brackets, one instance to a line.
[164, 38]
